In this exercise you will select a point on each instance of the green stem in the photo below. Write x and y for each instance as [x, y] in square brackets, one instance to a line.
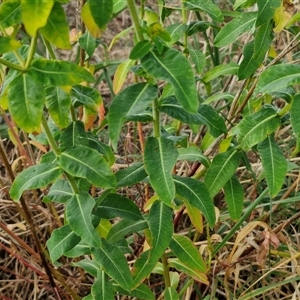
[184, 21]
[283, 111]
[233, 230]
[156, 117]
[49, 48]
[50, 137]
[135, 19]
[167, 279]
[11, 65]
[31, 51]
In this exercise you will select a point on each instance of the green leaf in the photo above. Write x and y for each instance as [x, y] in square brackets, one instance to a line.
[26, 98]
[142, 268]
[35, 14]
[78, 214]
[176, 31]
[140, 50]
[228, 69]
[58, 103]
[159, 158]
[187, 253]
[56, 30]
[141, 292]
[234, 197]
[255, 128]
[115, 205]
[195, 216]
[87, 96]
[178, 265]
[119, 5]
[114, 263]
[278, 77]
[205, 115]
[83, 162]
[174, 67]
[73, 135]
[10, 13]
[88, 265]
[274, 164]
[266, 10]
[34, 177]
[193, 154]
[206, 6]
[88, 297]
[88, 43]
[131, 175]
[125, 227]
[121, 74]
[101, 11]
[81, 249]
[58, 73]
[60, 192]
[8, 44]
[295, 116]
[195, 193]
[132, 100]
[263, 39]
[161, 227]
[62, 239]
[232, 30]
[102, 289]
[221, 170]
[170, 294]
[198, 58]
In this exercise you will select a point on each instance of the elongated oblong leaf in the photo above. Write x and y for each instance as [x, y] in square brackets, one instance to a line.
[87, 163]
[34, 177]
[193, 154]
[62, 239]
[196, 194]
[140, 50]
[161, 228]
[255, 128]
[125, 227]
[102, 289]
[278, 77]
[201, 277]
[131, 175]
[56, 30]
[266, 10]
[35, 14]
[234, 197]
[228, 69]
[114, 263]
[115, 205]
[121, 74]
[26, 98]
[198, 58]
[132, 100]
[159, 158]
[88, 43]
[274, 164]
[206, 6]
[170, 294]
[221, 170]
[78, 213]
[60, 192]
[187, 253]
[232, 30]
[142, 292]
[88, 265]
[58, 73]
[174, 67]
[58, 103]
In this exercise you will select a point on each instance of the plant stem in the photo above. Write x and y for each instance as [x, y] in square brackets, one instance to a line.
[49, 135]
[167, 279]
[249, 210]
[49, 48]
[11, 65]
[31, 51]
[184, 21]
[135, 19]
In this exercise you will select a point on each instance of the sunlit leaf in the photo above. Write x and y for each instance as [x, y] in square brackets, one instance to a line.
[121, 74]
[10, 13]
[62, 239]
[78, 214]
[174, 67]
[89, 22]
[283, 14]
[34, 177]
[221, 170]
[35, 14]
[159, 158]
[228, 69]
[56, 30]
[8, 44]
[274, 164]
